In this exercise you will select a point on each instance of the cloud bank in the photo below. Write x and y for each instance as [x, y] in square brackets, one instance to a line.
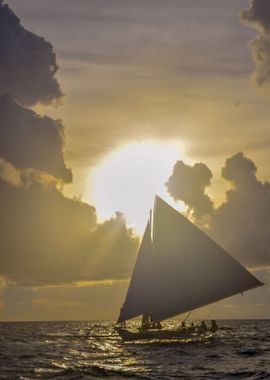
[27, 62]
[45, 237]
[49, 239]
[242, 223]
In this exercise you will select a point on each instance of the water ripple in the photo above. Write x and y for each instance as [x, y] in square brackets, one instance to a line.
[80, 350]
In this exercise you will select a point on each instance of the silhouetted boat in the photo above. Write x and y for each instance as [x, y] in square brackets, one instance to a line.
[178, 269]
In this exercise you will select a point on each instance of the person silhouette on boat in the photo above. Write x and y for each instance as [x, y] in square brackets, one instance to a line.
[203, 327]
[213, 327]
[146, 322]
[159, 325]
[191, 327]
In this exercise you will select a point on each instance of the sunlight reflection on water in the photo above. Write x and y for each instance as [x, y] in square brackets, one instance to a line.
[240, 349]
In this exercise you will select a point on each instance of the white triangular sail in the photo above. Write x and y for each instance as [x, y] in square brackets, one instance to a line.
[191, 270]
[180, 269]
[138, 297]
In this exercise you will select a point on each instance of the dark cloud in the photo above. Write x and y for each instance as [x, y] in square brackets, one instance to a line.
[258, 16]
[188, 183]
[239, 170]
[242, 223]
[46, 238]
[28, 140]
[27, 62]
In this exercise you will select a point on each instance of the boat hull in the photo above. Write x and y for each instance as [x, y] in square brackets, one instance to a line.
[131, 335]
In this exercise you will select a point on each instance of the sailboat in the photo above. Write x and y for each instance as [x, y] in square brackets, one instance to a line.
[178, 269]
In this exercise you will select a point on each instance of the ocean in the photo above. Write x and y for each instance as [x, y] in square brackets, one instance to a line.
[89, 350]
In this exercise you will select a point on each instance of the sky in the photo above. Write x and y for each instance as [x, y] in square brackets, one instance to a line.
[103, 104]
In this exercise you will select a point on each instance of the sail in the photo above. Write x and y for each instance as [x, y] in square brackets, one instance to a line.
[190, 269]
[138, 296]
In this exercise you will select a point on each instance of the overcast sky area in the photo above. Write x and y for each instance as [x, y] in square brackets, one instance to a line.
[79, 80]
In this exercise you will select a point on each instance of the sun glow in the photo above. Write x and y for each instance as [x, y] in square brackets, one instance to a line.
[128, 179]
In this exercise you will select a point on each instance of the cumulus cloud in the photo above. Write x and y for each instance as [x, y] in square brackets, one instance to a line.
[258, 16]
[47, 238]
[239, 170]
[27, 62]
[188, 183]
[242, 223]
[28, 140]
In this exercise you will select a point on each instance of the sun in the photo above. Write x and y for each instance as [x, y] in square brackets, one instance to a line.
[128, 179]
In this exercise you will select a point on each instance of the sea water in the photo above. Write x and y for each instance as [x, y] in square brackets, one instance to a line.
[93, 350]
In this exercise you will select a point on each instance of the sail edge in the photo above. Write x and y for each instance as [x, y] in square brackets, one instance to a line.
[209, 303]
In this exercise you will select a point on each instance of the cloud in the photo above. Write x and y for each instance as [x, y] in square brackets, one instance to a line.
[152, 83]
[242, 223]
[47, 238]
[188, 183]
[132, 33]
[64, 301]
[239, 170]
[9, 173]
[258, 17]
[28, 140]
[27, 62]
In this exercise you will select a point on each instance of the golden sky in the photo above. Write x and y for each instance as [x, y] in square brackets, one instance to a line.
[105, 96]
